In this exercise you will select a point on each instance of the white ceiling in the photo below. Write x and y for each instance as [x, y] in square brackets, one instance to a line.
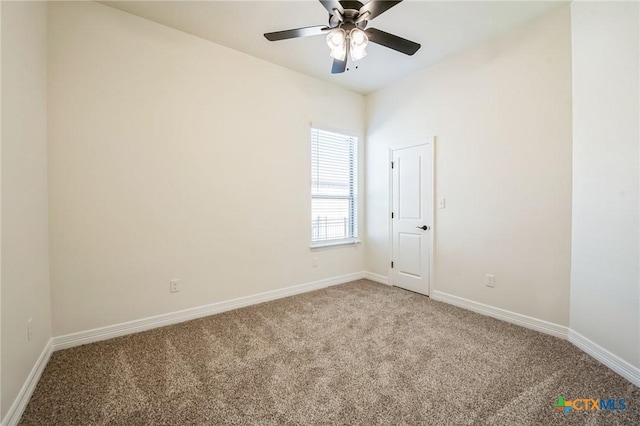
[442, 27]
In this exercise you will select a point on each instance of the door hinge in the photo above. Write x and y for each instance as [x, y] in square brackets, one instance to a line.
[392, 164]
[392, 264]
[391, 215]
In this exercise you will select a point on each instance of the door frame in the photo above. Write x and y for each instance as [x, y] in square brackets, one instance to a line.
[431, 142]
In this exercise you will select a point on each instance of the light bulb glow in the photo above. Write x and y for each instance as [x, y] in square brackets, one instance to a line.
[339, 53]
[358, 42]
[357, 54]
[358, 38]
[336, 38]
[337, 41]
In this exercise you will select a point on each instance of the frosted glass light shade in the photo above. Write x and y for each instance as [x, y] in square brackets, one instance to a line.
[337, 41]
[358, 41]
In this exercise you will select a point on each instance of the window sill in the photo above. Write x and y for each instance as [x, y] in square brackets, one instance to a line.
[334, 244]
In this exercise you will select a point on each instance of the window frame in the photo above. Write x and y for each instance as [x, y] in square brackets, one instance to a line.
[354, 176]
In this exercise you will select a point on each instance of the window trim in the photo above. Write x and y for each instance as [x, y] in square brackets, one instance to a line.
[334, 243]
[352, 241]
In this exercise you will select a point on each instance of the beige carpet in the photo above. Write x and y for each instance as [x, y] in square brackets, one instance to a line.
[358, 353]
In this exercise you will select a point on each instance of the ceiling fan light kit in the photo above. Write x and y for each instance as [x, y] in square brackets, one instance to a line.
[347, 32]
[356, 39]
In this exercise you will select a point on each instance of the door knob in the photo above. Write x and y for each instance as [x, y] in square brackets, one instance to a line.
[423, 227]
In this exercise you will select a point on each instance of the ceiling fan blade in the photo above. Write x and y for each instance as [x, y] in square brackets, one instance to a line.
[330, 5]
[377, 7]
[338, 66]
[298, 32]
[391, 41]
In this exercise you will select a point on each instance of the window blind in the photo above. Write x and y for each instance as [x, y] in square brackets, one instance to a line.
[334, 187]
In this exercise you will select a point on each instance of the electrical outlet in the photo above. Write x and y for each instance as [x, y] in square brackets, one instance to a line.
[490, 280]
[174, 286]
[29, 329]
[314, 262]
[442, 203]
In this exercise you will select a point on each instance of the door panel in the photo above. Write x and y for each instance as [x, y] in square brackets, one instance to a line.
[409, 188]
[412, 209]
[410, 245]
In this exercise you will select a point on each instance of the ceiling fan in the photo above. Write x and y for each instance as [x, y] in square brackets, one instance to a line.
[347, 32]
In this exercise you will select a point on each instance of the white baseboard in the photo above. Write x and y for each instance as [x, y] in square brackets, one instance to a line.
[376, 277]
[20, 403]
[135, 326]
[502, 314]
[615, 363]
[609, 359]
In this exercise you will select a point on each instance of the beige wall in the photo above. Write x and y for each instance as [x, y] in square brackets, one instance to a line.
[173, 157]
[501, 114]
[25, 265]
[605, 280]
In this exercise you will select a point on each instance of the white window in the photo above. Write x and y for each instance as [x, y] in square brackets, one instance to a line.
[334, 188]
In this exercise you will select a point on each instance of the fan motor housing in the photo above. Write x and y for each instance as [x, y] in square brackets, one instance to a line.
[351, 4]
[347, 19]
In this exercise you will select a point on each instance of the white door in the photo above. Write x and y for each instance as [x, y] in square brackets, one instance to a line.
[411, 217]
